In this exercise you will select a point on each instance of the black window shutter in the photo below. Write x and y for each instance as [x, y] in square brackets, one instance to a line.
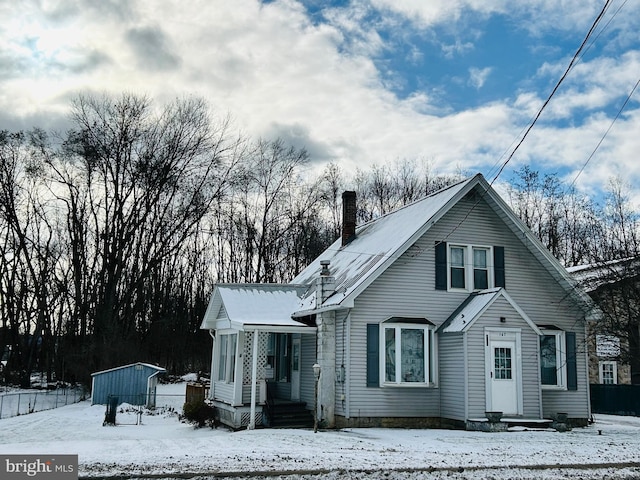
[373, 355]
[441, 265]
[572, 368]
[498, 266]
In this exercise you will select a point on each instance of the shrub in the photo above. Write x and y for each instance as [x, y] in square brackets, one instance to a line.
[200, 413]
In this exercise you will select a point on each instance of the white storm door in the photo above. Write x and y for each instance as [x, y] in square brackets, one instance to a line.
[503, 376]
[295, 368]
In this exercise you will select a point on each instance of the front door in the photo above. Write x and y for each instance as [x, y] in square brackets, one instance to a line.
[295, 368]
[503, 371]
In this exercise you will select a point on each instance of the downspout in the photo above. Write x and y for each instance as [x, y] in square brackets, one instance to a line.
[586, 359]
[347, 376]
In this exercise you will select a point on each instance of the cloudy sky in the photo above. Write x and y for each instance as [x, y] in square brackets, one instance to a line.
[360, 82]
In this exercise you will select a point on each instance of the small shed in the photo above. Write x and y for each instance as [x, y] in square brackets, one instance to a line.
[134, 384]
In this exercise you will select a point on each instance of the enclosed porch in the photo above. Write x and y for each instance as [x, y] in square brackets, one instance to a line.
[262, 359]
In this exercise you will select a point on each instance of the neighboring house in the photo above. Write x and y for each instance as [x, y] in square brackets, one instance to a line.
[431, 315]
[614, 342]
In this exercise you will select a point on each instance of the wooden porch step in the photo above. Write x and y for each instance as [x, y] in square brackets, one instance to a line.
[290, 415]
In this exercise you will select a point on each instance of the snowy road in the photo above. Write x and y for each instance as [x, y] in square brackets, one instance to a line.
[163, 447]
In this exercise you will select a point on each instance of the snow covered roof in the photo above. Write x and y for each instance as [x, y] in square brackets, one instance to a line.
[592, 276]
[254, 307]
[147, 365]
[473, 308]
[377, 244]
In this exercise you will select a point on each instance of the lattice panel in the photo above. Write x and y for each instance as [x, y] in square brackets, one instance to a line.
[248, 353]
[246, 416]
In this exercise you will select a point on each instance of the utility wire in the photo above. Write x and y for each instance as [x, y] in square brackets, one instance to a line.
[555, 89]
[607, 132]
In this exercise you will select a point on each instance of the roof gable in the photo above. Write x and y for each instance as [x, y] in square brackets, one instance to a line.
[380, 242]
[253, 306]
[474, 306]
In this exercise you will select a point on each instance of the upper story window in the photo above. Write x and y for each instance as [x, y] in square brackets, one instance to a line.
[408, 355]
[469, 267]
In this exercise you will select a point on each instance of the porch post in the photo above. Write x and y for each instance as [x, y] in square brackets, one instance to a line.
[254, 374]
[214, 364]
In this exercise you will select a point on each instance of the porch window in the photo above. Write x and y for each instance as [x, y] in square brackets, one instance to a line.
[408, 354]
[553, 359]
[227, 357]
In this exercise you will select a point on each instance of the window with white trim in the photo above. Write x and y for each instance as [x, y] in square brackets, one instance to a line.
[227, 357]
[553, 359]
[408, 354]
[470, 267]
[608, 370]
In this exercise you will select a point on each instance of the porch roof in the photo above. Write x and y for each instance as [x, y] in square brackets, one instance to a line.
[251, 307]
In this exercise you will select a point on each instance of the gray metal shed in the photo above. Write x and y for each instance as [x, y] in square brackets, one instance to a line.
[134, 384]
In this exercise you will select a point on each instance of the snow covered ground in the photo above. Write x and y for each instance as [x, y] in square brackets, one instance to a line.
[164, 447]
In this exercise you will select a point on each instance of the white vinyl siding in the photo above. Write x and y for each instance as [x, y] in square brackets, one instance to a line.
[452, 376]
[407, 289]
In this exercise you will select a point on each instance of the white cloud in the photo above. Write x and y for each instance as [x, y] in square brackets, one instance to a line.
[315, 84]
[478, 76]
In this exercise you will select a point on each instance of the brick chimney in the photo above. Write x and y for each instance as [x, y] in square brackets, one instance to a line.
[348, 217]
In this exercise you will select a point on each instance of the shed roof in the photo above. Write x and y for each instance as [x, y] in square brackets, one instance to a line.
[148, 365]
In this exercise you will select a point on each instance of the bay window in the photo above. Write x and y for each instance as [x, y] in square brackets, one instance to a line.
[408, 354]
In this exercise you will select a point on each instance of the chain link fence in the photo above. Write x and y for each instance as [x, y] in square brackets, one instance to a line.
[22, 403]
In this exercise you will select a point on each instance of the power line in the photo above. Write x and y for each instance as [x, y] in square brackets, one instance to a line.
[555, 89]
[607, 132]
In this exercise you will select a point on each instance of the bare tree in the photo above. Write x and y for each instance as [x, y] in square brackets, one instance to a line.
[30, 255]
[134, 185]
